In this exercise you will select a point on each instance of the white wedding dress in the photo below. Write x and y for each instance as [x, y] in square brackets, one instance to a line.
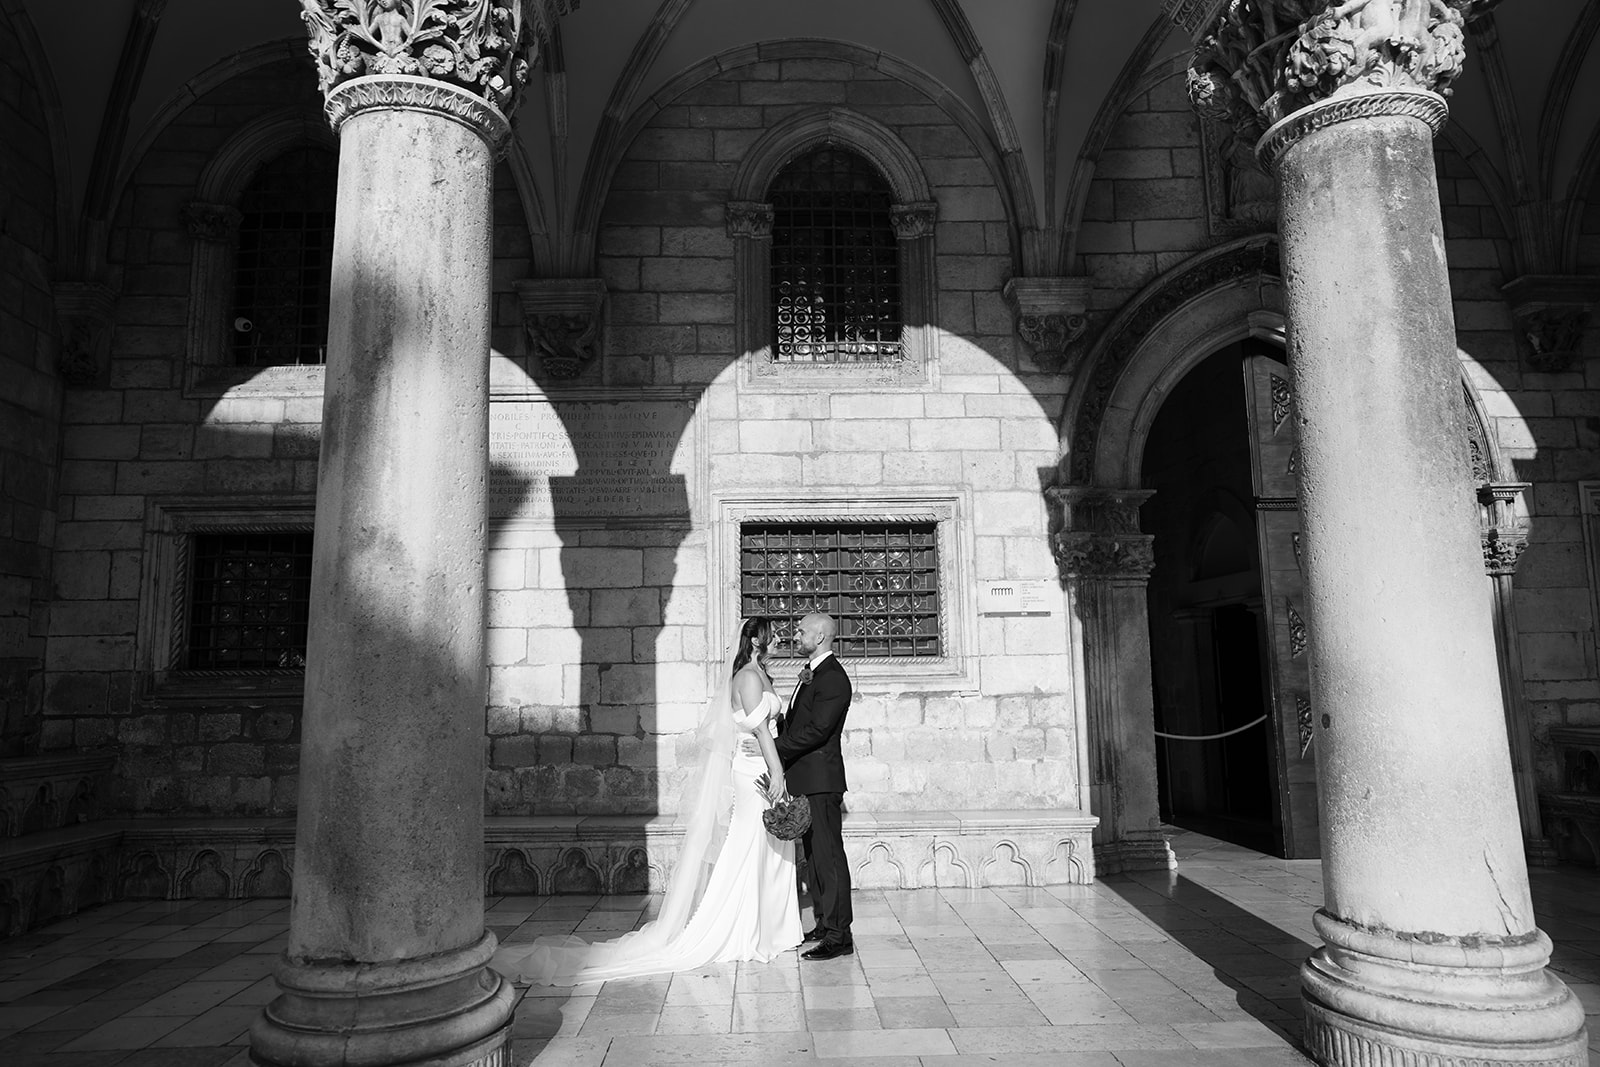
[749, 909]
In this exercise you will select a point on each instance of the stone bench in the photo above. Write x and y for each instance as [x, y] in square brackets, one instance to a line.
[1571, 817]
[49, 875]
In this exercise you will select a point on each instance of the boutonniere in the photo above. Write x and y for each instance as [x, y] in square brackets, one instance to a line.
[805, 675]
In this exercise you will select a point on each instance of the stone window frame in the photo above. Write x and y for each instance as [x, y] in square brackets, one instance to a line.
[948, 509]
[212, 217]
[749, 224]
[1589, 511]
[171, 525]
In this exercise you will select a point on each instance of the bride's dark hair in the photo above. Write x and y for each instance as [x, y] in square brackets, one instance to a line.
[754, 638]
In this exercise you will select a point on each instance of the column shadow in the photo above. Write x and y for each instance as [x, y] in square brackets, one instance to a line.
[1257, 961]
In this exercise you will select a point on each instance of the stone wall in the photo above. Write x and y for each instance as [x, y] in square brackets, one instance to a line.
[30, 399]
[616, 620]
[146, 438]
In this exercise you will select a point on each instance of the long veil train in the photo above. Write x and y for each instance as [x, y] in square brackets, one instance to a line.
[704, 810]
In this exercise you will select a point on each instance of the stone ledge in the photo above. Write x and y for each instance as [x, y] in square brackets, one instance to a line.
[42, 793]
[49, 875]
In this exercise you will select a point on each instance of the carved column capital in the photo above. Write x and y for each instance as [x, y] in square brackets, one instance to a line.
[1551, 313]
[1099, 534]
[1504, 526]
[83, 311]
[913, 220]
[563, 317]
[212, 222]
[1052, 317]
[749, 218]
[1277, 69]
[466, 58]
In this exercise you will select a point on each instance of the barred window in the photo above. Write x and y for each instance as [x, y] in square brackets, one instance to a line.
[835, 262]
[248, 600]
[285, 261]
[880, 581]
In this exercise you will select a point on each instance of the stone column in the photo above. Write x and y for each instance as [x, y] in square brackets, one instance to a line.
[387, 949]
[1105, 561]
[1505, 538]
[1430, 953]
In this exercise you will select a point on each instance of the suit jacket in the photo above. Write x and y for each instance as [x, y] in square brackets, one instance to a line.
[809, 744]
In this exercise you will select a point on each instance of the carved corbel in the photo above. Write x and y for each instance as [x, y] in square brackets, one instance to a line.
[1551, 312]
[563, 317]
[1098, 533]
[218, 223]
[83, 310]
[1052, 318]
[1504, 527]
[749, 218]
[913, 220]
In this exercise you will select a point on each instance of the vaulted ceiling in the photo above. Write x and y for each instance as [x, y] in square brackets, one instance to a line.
[1042, 78]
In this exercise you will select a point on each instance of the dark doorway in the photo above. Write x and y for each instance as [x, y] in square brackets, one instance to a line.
[1209, 645]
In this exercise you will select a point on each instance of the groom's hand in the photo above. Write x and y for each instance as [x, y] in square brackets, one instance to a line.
[750, 747]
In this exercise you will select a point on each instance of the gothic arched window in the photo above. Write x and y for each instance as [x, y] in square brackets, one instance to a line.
[835, 261]
[284, 260]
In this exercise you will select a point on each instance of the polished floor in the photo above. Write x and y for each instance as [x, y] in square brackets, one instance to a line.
[1193, 967]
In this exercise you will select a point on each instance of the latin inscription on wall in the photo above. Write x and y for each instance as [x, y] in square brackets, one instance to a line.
[587, 462]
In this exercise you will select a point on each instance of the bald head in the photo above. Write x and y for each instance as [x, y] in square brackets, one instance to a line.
[815, 633]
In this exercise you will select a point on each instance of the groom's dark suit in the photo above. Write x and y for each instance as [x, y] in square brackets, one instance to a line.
[813, 766]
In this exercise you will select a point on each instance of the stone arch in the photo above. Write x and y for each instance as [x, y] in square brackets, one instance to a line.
[228, 172]
[205, 879]
[813, 127]
[514, 875]
[611, 147]
[1006, 865]
[268, 876]
[576, 875]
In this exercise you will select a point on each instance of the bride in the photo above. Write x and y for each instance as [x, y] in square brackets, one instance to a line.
[732, 894]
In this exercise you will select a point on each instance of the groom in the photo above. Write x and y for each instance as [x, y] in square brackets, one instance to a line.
[813, 766]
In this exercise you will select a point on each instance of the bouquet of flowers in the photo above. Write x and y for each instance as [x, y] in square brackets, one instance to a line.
[788, 818]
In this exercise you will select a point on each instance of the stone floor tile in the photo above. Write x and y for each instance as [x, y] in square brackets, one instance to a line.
[696, 1018]
[550, 1017]
[838, 996]
[1024, 1014]
[688, 989]
[88, 1015]
[613, 1024]
[1234, 1057]
[858, 1043]
[1007, 952]
[13, 1018]
[913, 1013]
[1033, 1059]
[178, 1057]
[1092, 1037]
[818, 1019]
[1237, 1033]
[902, 985]
[1043, 972]
[127, 1032]
[218, 1026]
[191, 998]
[1171, 1010]
[560, 1052]
[841, 971]
[761, 1012]
[672, 1050]
[976, 989]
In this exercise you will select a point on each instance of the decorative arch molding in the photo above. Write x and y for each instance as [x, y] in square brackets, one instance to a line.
[804, 130]
[1113, 393]
[611, 144]
[55, 122]
[225, 176]
[1210, 300]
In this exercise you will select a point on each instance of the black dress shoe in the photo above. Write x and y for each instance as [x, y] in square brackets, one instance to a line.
[829, 950]
[816, 933]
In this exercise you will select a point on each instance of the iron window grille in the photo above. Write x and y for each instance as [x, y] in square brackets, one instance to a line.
[284, 261]
[880, 582]
[249, 599]
[835, 262]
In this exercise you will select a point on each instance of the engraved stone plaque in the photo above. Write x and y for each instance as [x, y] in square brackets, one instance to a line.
[590, 462]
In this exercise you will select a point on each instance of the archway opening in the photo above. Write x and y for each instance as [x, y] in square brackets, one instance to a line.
[1211, 651]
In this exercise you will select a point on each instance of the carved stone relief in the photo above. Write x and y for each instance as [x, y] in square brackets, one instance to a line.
[1052, 318]
[83, 310]
[564, 318]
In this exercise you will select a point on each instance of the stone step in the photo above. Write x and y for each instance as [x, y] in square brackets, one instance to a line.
[52, 791]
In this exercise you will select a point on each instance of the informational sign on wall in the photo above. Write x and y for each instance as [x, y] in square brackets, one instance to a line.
[1032, 596]
[590, 461]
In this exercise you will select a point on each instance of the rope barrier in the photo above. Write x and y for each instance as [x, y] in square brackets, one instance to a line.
[1212, 737]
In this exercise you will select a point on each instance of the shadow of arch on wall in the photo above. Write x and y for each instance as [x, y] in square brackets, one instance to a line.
[1212, 299]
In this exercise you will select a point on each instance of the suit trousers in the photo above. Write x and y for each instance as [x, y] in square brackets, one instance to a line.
[830, 871]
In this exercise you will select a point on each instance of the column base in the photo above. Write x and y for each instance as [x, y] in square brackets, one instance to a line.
[448, 1010]
[1375, 1000]
[1540, 852]
[1146, 850]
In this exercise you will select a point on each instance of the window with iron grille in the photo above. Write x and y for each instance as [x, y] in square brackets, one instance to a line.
[880, 582]
[284, 261]
[249, 597]
[835, 262]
